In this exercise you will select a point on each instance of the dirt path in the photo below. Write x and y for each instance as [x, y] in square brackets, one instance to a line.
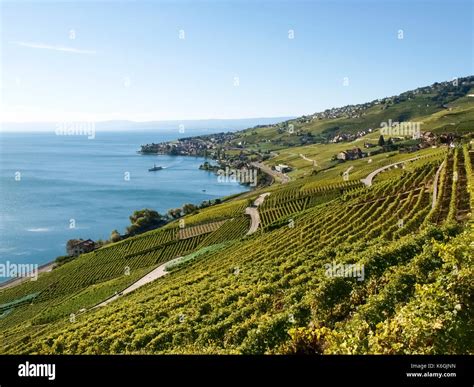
[368, 180]
[346, 172]
[315, 164]
[253, 212]
[160, 270]
[150, 277]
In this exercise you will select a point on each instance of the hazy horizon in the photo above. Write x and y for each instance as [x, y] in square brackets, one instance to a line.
[164, 125]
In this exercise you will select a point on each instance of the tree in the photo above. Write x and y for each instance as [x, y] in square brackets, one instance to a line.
[144, 220]
[189, 208]
[70, 245]
[174, 213]
[115, 236]
[381, 141]
[206, 203]
[71, 242]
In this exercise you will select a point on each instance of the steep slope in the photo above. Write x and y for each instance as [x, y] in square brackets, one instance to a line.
[441, 107]
[271, 292]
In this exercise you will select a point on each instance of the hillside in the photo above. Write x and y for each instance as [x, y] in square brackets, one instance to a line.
[336, 266]
[441, 107]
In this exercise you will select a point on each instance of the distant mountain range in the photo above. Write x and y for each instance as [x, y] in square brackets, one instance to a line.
[169, 125]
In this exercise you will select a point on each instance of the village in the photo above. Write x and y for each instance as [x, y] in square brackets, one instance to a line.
[204, 146]
[402, 144]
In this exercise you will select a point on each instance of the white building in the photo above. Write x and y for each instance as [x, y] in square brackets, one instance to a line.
[282, 168]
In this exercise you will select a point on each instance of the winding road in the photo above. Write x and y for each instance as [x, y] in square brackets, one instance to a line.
[160, 271]
[346, 172]
[276, 175]
[150, 277]
[315, 164]
[368, 180]
[253, 212]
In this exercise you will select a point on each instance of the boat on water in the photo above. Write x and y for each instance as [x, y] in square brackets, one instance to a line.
[155, 168]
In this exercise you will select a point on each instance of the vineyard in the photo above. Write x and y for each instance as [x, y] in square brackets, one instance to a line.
[298, 197]
[270, 292]
[192, 231]
[223, 211]
[232, 229]
[95, 276]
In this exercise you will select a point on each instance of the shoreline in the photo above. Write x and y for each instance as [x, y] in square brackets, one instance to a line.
[46, 267]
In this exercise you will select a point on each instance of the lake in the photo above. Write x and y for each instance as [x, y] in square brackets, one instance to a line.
[49, 183]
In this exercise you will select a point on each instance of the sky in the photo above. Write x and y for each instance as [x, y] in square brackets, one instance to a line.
[156, 60]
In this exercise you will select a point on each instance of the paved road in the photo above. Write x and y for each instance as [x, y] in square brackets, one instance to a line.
[276, 175]
[368, 180]
[253, 212]
[150, 277]
[160, 270]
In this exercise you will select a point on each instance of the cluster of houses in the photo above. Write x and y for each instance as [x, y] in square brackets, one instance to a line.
[193, 146]
[428, 139]
[181, 147]
[357, 111]
[349, 136]
[348, 111]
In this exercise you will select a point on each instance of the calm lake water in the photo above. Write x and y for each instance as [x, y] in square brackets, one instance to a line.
[49, 181]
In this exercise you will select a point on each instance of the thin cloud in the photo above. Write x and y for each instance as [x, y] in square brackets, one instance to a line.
[54, 48]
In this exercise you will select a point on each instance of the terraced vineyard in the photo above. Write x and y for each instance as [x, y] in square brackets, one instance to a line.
[223, 211]
[271, 292]
[111, 268]
[189, 232]
[232, 229]
[298, 197]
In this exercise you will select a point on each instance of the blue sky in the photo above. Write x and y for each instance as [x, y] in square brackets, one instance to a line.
[125, 60]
